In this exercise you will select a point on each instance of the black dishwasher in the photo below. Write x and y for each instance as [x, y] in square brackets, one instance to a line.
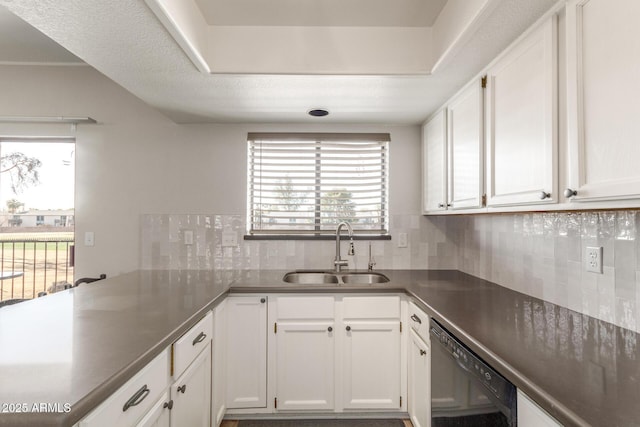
[465, 391]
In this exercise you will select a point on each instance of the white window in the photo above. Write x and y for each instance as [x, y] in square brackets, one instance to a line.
[306, 184]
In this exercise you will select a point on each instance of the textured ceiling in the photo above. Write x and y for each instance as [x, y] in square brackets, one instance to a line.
[21, 43]
[123, 40]
[353, 13]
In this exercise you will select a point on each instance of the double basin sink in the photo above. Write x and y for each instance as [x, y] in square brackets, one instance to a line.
[303, 277]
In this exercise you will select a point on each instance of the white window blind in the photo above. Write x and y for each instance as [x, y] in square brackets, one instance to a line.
[307, 184]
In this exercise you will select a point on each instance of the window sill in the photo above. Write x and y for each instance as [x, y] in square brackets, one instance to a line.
[314, 237]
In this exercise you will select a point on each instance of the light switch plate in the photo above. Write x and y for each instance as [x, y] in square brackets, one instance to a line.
[89, 238]
[594, 259]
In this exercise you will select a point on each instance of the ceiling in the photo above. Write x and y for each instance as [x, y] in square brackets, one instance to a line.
[125, 41]
[379, 13]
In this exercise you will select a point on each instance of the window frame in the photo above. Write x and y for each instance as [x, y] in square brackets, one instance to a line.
[319, 233]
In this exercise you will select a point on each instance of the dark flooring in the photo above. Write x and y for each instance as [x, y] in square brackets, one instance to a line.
[322, 423]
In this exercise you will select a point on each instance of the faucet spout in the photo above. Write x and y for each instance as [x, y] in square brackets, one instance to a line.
[338, 262]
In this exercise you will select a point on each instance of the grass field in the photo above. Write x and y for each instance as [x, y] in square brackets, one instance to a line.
[43, 258]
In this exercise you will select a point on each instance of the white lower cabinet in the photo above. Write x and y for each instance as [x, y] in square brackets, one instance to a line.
[191, 393]
[134, 399]
[160, 414]
[371, 353]
[304, 353]
[188, 401]
[419, 404]
[336, 353]
[419, 378]
[246, 347]
[219, 365]
[531, 415]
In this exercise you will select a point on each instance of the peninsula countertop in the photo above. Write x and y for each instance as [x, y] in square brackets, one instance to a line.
[74, 348]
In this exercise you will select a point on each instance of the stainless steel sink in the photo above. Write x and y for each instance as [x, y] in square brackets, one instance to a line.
[323, 278]
[310, 278]
[363, 278]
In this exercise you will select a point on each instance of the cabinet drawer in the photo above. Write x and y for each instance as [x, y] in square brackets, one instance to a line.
[419, 321]
[188, 346]
[134, 399]
[313, 307]
[378, 307]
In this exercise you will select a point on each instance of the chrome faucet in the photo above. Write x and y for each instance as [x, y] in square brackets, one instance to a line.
[338, 262]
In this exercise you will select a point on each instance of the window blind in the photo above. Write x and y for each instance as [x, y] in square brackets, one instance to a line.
[308, 183]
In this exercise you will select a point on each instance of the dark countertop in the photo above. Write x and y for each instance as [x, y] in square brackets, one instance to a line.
[89, 340]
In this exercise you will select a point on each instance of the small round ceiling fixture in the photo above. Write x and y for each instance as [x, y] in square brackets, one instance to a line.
[318, 112]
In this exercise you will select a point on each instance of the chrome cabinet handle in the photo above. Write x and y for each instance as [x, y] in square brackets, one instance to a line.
[570, 193]
[544, 195]
[137, 397]
[416, 319]
[330, 329]
[182, 389]
[168, 404]
[201, 336]
[348, 328]
[422, 352]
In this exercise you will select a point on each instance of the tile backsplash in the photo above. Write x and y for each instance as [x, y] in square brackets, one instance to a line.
[540, 254]
[544, 255]
[163, 246]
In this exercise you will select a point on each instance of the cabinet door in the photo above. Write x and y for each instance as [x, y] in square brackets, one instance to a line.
[603, 65]
[522, 122]
[434, 161]
[419, 382]
[305, 354]
[219, 358]
[531, 415]
[246, 352]
[191, 393]
[465, 116]
[159, 415]
[371, 364]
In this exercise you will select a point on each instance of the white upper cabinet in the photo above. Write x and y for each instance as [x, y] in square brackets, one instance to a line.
[522, 121]
[603, 89]
[434, 160]
[465, 148]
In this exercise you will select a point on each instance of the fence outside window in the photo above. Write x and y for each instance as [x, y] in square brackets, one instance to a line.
[29, 266]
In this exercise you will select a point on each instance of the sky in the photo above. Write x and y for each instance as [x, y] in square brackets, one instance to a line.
[56, 188]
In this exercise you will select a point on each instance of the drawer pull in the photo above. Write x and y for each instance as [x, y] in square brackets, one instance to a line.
[201, 336]
[182, 389]
[416, 319]
[168, 404]
[138, 397]
[330, 329]
[422, 352]
[348, 328]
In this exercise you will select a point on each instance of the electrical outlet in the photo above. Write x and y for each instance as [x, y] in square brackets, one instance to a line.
[229, 238]
[402, 240]
[594, 259]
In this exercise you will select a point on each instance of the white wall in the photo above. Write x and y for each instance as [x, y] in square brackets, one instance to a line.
[136, 161]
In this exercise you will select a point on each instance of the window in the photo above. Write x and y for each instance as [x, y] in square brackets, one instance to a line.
[306, 184]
